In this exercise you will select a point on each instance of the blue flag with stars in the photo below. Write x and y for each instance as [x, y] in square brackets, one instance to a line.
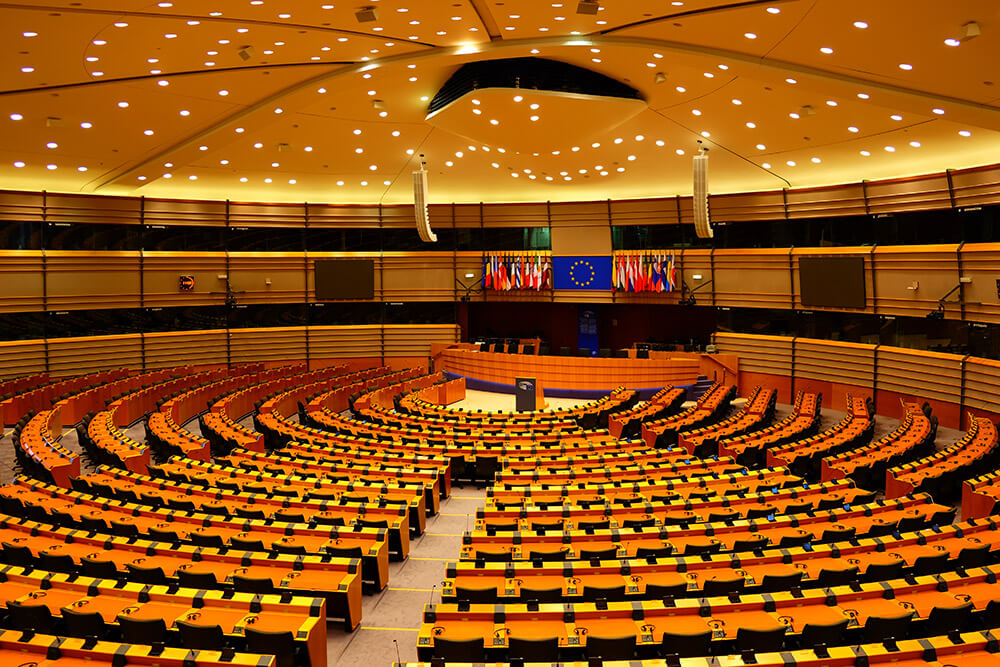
[593, 273]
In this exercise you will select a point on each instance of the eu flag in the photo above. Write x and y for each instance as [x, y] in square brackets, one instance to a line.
[593, 273]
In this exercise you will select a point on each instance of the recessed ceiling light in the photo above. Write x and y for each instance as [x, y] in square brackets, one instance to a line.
[679, 151]
[52, 144]
[816, 160]
[864, 96]
[123, 105]
[29, 34]
[896, 117]
[752, 125]
[86, 125]
[16, 116]
[148, 133]
[939, 112]
[826, 49]
[791, 163]
[19, 164]
[184, 112]
[28, 69]
[773, 10]
[861, 25]
[709, 75]
[794, 116]
[681, 89]
[964, 133]
[750, 35]
[51, 167]
[761, 147]
[915, 144]
[831, 103]
[696, 112]
[952, 42]
[737, 102]
[890, 149]
[705, 133]
[223, 93]
[905, 66]
[853, 129]
[766, 165]
[791, 81]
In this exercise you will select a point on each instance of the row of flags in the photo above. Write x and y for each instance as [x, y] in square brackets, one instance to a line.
[644, 272]
[507, 271]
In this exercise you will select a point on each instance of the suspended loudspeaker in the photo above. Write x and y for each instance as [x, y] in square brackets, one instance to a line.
[420, 206]
[702, 223]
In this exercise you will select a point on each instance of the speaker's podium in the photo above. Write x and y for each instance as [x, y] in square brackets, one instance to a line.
[528, 395]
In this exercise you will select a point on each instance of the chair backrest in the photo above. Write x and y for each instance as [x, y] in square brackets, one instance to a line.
[599, 554]
[146, 575]
[246, 545]
[197, 579]
[610, 648]
[98, 569]
[686, 645]
[829, 635]
[83, 624]
[544, 649]
[243, 584]
[751, 639]
[949, 619]
[460, 650]
[35, 617]
[880, 628]
[201, 637]
[142, 630]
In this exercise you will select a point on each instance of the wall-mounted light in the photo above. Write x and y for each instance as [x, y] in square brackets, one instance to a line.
[697, 276]
[470, 275]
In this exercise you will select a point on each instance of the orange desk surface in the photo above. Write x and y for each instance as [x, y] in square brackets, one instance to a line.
[70, 652]
[591, 373]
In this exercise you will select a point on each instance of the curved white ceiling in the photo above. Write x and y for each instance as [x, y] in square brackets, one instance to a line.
[279, 101]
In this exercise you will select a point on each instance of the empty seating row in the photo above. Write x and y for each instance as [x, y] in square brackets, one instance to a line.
[628, 424]
[756, 413]
[750, 448]
[714, 402]
[804, 457]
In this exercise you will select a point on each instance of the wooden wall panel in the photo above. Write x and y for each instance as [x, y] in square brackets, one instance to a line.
[835, 200]
[22, 206]
[662, 211]
[920, 373]
[345, 342]
[467, 262]
[516, 215]
[748, 206]
[414, 340]
[249, 272]
[400, 216]
[266, 215]
[580, 214]
[982, 384]
[835, 362]
[21, 357]
[92, 209]
[177, 348]
[267, 344]
[919, 193]
[981, 263]
[21, 281]
[76, 356]
[162, 272]
[933, 267]
[92, 280]
[178, 212]
[757, 278]
[424, 276]
[976, 187]
[469, 215]
[697, 263]
[348, 216]
[758, 354]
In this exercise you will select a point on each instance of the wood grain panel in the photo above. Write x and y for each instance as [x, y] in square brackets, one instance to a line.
[976, 187]
[250, 271]
[161, 276]
[919, 193]
[21, 357]
[267, 344]
[469, 215]
[580, 214]
[345, 341]
[515, 215]
[424, 276]
[92, 280]
[21, 281]
[758, 354]
[933, 267]
[22, 206]
[920, 373]
[93, 209]
[177, 212]
[981, 263]
[982, 384]
[835, 200]
[399, 216]
[76, 356]
[267, 215]
[176, 348]
[835, 362]
[645, 212]
[415, 340]
[757, 278]
[749, 206]
[343, 216]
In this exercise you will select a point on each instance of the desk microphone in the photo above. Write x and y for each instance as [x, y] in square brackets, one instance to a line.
[431, 601]
[398, 660]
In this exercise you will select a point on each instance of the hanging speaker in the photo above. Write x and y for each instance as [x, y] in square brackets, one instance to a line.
[702, 222]
[420, 207]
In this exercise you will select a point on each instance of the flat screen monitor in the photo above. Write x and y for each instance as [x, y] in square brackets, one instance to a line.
[832, 282]
[344, 279]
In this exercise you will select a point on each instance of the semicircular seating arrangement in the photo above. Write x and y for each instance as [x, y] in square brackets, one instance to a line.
[264, 502]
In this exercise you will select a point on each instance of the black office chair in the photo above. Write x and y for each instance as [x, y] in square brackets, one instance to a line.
[930, 564]
[594, 525]
[611, 648]
[723, 515]
[943, 620]
[639, 523]
[541, 594]
[528, 349]
[154, 576]
[201, 637]
[977, 556]
[459, 650]
[329, 520]
[880, 628]
[815, 634]
[750, 639]
[547, 525]
[750, 544]
[142, 631]
[699, 549]
[583, 352]
[772, 583]
[534, 650]
[344, 552]
[199, 580]
[246, 545]
[830, 578]
[160, 535]
[665, 591]
[289, 517]
[180, 505]
[261, 585]
[564, 352]
[279, 644]
[717, 587]
[57, 563]
[18, 555]
[604, 352]
[790, 541]
[841, 534]
[290, 549]
[691, 644]
[285, 491]
[202, 540]
[908, 524]
[476, 595]
[599, 554]
[34, 617]
[610, 593]
[98, 569]
[653, 552]
[883, 571]
[83, 624]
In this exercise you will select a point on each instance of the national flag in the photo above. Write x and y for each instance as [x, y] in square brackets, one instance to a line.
[487, 272]
[657, 277]
[517, 272]
[582, 273]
